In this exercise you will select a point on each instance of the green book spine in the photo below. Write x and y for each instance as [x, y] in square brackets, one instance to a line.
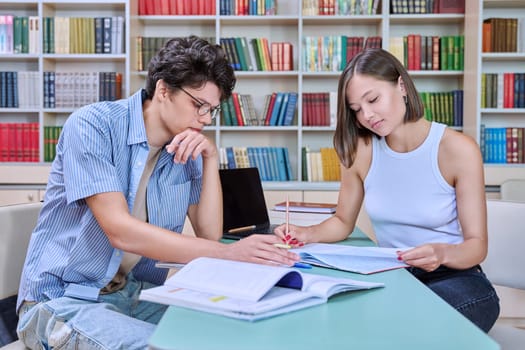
[25, 35]
[17, 34]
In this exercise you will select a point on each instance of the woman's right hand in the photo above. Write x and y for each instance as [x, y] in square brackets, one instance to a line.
[297, 236]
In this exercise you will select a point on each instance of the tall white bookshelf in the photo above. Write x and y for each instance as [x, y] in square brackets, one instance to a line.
[288, 25]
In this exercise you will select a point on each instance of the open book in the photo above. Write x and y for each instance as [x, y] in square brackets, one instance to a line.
[364, 260]
[247, 291]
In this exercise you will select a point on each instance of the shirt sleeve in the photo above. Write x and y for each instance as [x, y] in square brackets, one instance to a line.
[89, 155]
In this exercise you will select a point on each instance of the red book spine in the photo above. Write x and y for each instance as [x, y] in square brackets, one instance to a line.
[4, 138]
[270, 109]
[417, 52]
[238, 113]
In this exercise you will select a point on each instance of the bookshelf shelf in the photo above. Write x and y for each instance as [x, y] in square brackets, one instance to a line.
[498, 108]
[427, 19]
[503, 56]
[336, 20]
[166, 20]
[288, 25]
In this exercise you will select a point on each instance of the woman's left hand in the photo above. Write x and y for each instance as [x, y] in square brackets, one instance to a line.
[427, 257]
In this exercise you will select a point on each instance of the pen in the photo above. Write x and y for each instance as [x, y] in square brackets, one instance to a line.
[287, 214]
[284, 246]
[241, 229]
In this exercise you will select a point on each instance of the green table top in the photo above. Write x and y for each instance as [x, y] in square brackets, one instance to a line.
[403, 315]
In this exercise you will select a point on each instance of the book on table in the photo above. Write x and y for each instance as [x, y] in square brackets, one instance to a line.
[247, 291]
[306, 207]
[363, 260]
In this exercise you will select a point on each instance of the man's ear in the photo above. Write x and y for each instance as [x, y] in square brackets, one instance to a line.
[161, 89]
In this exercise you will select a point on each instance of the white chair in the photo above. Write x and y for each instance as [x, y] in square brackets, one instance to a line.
[505, 260]
[17, 223]
[513, 190]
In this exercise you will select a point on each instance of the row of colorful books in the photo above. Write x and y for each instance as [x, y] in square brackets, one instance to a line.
[273, 162]
[176, 7]
[320, 165]
[319, 108]
[248, 7]
[339, 7]
[503, 35]
[9, 89]
[76, 89]
[83, 35]
[258, 54]
[51, 135]
[19, 89]
[19, 34]
[502, 145]
[503, 90]
[331, 53]
[444, 107]
[146, 48]
[424, 52]
[278, 110]
[426, 6]
[19, 142]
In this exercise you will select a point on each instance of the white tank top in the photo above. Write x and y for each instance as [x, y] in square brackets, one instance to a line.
[408, 200]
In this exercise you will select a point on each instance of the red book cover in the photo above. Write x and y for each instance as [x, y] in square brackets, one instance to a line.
[287, 56]
[25, 151]
[487, 36]
[508, 145]
[306, 108]
[451, 6]
[34, 142]
[275, 55]
[270, 109]
[238, 113]
[142, 7]
[19, 142]
[417, 52]
[4, 138]
[164, 7]
[187, 8]
[326, 109]
[411, 51]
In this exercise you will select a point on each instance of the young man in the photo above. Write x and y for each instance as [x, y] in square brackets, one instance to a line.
[125, 176]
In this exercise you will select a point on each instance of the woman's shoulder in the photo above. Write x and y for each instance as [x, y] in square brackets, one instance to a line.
[363, 156]
[458, 145]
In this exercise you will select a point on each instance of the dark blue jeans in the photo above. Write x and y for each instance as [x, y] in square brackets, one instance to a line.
[468, 291]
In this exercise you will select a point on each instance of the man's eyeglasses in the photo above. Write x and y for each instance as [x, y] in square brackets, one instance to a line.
[204, 107]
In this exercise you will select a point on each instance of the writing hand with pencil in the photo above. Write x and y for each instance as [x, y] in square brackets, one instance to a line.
[290, 234]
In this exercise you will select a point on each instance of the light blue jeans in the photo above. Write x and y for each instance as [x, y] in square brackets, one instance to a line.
[117, 321]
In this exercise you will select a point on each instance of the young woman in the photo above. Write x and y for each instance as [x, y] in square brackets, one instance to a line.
[422, 185]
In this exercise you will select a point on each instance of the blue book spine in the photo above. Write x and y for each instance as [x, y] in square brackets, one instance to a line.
[276, 107]
[287, 163]
[230, 156]
[272, 160]
[290, 109]
[282, 109]
[281, 164]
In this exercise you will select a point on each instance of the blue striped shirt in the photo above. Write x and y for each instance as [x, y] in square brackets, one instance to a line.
[102, 148]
